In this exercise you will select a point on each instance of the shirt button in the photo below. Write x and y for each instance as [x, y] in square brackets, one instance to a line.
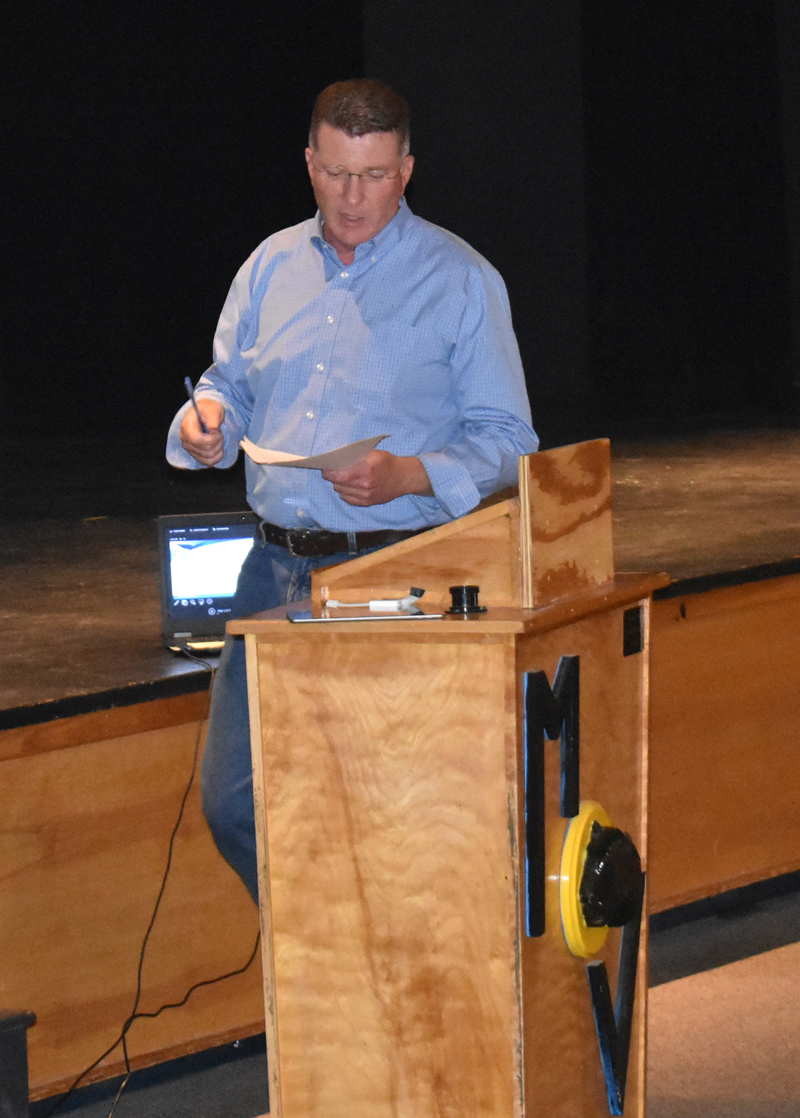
[329, 318]
[344, 275]
[301, 512]
[309, 415]
[320, 367]
[374, 258]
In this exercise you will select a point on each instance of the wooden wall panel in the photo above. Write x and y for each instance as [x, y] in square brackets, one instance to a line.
[83, 844]
[725, 740]
[102, 725]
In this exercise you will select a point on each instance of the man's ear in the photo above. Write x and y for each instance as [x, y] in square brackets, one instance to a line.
[406, 169]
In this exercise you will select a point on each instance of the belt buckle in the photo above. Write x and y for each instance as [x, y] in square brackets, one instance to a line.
[300, 536]
[292, 535]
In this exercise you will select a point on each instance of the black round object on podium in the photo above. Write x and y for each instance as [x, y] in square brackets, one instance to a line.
[464, 600]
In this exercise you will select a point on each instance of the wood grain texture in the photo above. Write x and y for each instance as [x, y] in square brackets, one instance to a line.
[565, 521]
[480, 549]
[392, 894]
[725, 740]
[83, 846]
[391, 791]
[563, 1074]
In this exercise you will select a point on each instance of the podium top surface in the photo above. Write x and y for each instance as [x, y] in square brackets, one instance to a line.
[624, 589]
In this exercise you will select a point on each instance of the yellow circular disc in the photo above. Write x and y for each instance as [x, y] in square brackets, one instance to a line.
[582, 940]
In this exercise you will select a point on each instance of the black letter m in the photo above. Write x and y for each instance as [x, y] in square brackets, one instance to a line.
[555, 713]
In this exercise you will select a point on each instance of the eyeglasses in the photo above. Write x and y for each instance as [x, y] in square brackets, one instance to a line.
[342, 177]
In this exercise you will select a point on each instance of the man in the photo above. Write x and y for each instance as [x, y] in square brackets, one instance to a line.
[364, 320]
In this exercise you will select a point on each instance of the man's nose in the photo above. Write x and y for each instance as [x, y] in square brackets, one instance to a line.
[354, 191]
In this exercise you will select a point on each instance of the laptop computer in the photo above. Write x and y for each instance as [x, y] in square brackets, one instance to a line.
[200, 557]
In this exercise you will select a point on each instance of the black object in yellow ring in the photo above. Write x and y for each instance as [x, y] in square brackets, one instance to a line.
[582, 940]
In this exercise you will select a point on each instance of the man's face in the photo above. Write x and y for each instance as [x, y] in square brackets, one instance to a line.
[356, 208]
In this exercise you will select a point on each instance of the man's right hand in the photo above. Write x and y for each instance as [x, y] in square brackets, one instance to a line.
[206, 449]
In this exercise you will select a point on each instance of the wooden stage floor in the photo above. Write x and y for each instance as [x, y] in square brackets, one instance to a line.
[78, 565]
[707, 504]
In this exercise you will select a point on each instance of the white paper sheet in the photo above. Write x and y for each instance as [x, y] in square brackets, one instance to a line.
[340, 459]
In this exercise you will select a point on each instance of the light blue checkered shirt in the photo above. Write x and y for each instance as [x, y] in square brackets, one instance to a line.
[413, 339]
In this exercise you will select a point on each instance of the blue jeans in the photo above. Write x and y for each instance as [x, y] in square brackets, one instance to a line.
[269, 577]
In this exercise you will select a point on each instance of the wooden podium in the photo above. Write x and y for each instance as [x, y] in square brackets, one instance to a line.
[401, 768]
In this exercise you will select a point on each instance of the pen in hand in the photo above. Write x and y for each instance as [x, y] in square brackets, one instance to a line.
[190, 393]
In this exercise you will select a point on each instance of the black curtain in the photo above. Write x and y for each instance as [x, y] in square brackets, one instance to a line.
[148, 149]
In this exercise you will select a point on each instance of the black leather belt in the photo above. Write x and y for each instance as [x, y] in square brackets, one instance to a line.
[305, 543]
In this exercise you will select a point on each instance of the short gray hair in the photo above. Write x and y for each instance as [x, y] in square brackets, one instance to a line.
[361, 106]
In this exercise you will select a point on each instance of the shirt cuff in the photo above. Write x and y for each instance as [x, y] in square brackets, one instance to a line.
[452, 485]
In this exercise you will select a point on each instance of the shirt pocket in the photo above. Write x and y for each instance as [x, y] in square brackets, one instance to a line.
[403, 370]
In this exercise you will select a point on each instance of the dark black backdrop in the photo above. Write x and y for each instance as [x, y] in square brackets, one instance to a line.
[622, 164]
[687, 248]
[150, 149]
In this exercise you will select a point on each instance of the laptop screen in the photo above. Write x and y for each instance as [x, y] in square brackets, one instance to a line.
[200, 559]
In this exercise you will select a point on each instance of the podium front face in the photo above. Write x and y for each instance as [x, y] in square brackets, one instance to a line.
[390, 764]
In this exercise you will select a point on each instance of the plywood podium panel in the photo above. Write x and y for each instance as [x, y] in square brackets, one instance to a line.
[565, 531]
[562, 1069]
[389, 775]
[391, 907]
[482, 549]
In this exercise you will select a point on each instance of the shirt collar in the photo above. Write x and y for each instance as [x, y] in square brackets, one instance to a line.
[382, 242]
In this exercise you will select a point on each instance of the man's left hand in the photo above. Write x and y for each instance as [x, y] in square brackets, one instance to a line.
[380, 477]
